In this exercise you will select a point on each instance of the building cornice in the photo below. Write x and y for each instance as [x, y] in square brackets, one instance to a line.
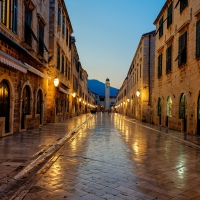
[162, 11]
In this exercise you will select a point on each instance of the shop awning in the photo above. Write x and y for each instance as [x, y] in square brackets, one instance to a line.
[37, 72]
[12, 62]
[64, 91]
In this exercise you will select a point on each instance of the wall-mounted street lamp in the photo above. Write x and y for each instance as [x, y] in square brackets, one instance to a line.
[128, 100]
[79, 99]
[138, 93]
[74, 94]
[56, 82]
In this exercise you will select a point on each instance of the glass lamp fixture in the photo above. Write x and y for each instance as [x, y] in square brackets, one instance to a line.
[138, 93]
[74, 94]
[79, 99]
[56, 82]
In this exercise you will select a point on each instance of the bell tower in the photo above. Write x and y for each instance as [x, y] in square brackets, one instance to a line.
[107, 94]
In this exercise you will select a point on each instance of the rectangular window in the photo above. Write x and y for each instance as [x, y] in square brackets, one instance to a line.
[182, 53]
[27, 31]
[66, 69]
[4, 12]
[198, 39]
[58, 59]
[67, 36]
[169, 15]
[160, 65]
[168, 58]
[14, 19]
[63, 27]
[161, 27]
[183, 5]
[59, 16]
[41, 39]
[69, 73]
[63, 65]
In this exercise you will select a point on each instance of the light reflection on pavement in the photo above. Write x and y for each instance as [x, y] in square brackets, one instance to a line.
[111, 158]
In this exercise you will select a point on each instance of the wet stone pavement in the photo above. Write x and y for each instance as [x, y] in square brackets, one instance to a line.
[20, 149]
[112, 158]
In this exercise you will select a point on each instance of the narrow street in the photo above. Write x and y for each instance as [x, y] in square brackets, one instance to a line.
[111, 157]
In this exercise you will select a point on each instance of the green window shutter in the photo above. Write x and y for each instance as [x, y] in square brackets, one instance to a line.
[182, 49]
[161, 27]
[63, 64]
[168, 58]
[67, 36]
[198, 39]
[169, 15]
[183, 5]
[160, 65]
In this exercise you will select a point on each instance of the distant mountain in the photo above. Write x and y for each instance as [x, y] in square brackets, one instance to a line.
[98, 87]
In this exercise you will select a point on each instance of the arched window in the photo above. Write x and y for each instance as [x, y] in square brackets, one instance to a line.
[159, 106]
[169, 106]
[5, 103]
[182, 107]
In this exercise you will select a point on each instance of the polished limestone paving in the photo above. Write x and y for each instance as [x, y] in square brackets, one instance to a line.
[20, 149]
[115, 157]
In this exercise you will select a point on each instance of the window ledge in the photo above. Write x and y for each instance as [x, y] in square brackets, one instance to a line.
[197, 13]
[58, 28]
[183, 26]
[160, 49]
[169, 73]
[170, 40]
[198, 58]
[183, 65]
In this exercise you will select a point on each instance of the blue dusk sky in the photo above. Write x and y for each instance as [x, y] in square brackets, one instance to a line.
[108, 32]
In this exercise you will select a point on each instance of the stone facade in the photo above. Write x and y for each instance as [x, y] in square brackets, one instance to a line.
[177, 65]
[140, 79]
[59, 98]
[30, 39]
[22, 66]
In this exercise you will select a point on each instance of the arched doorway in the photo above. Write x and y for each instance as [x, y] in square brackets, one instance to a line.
[183, 111]
[39, 104]
[25, 105]
[169, 110]
[5, 103]
[159, 110]
[198, 116]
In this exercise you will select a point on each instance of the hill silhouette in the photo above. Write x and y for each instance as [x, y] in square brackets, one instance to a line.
[98, 87]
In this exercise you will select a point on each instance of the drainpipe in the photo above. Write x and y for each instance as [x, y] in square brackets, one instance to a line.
[149, 73]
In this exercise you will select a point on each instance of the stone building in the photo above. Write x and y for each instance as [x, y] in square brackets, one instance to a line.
[135, 95]
[177, 66]
[24, 45]
[60, 67]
